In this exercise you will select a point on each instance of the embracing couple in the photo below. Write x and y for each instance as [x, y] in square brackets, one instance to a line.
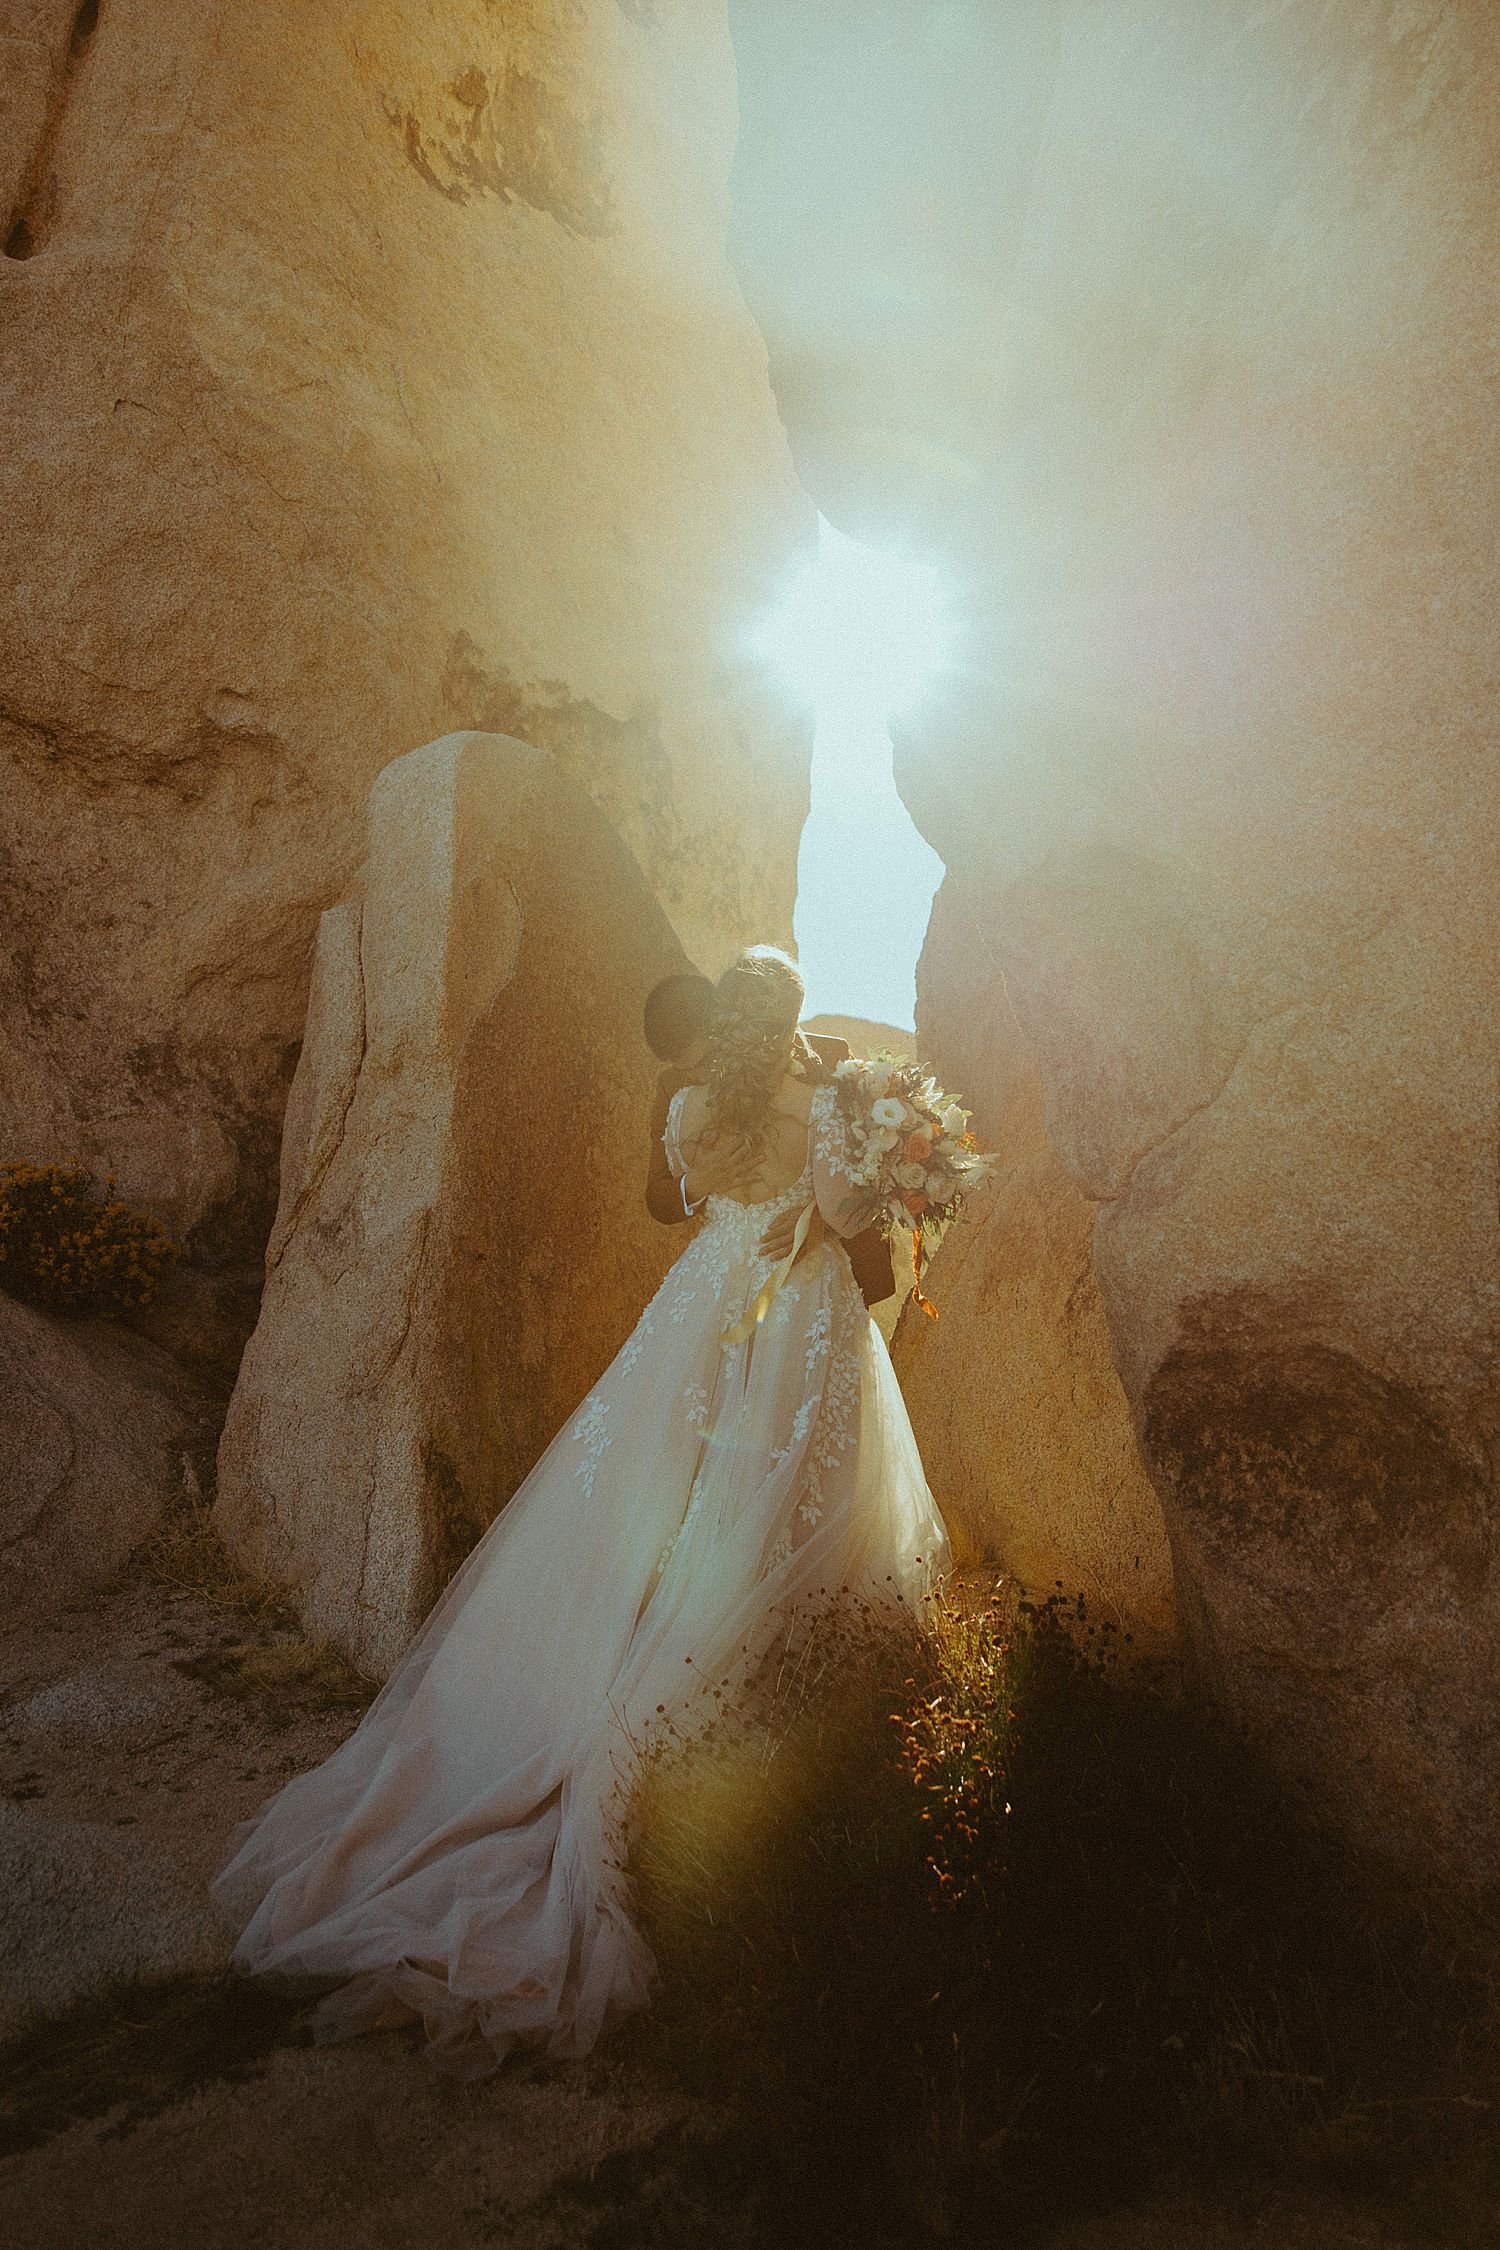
[745, 1458]
[679, 1018]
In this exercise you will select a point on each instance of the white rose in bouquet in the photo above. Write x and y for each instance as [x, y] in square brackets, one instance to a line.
[905, 1140]
[848, 1068]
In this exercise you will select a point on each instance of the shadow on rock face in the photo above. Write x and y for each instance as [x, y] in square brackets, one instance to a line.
[1334, 1559]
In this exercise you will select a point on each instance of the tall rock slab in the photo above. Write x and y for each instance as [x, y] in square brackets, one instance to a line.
[1169, 330]
[370, 370]
[461, 1245]
[1025, 1430]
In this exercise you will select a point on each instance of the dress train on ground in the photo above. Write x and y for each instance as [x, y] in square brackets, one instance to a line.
[457, 1860]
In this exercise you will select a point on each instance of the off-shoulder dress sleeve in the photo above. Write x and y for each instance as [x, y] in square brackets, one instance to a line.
[672, 1135]
[843, 1200]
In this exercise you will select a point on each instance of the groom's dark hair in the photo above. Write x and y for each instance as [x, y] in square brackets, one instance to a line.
[677, 1013]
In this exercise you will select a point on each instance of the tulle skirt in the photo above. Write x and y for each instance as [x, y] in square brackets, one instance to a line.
[458, 1860]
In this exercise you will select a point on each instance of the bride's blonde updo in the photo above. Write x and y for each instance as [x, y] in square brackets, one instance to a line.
[754, 1040]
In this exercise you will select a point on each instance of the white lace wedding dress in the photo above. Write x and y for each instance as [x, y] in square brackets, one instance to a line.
[456, 1860]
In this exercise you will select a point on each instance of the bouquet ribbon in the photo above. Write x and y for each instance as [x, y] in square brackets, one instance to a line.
[746, 1326]
[918, 1296]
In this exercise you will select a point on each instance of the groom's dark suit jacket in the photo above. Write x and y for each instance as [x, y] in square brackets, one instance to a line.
[869, 1253]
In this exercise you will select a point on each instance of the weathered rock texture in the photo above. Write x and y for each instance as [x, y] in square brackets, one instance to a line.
[1025, 1431]
[369, 370]
[461, 1245]
[99, 1431]
[1170, 328]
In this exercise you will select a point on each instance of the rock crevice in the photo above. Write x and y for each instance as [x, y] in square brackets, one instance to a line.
[1203, 445]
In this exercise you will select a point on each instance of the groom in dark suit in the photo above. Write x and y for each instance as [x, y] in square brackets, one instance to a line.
[677, 1012]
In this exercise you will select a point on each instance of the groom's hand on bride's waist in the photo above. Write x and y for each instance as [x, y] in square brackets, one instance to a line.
[780, 1234]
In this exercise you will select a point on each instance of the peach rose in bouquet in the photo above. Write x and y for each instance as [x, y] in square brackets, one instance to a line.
[909, 1148]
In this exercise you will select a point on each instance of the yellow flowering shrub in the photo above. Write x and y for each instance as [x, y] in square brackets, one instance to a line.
[70, 1247]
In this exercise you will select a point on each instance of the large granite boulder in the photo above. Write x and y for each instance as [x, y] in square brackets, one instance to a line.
[370, 370]
[100, 1432]
[1169, 329]
[1025, 1430]
[461, 1244]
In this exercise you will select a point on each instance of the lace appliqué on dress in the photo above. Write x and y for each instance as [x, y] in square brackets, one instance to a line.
[591, 1431]
[826, 1421]
[636, 1342]
[838, 1341]
[695, 1401]
[828, 1141]
[837, 1413]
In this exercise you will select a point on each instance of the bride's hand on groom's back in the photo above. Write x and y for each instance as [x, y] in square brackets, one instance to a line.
[720, 1164]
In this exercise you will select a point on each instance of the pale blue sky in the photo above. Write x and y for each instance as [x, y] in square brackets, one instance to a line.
[865, 879]
[860, 633]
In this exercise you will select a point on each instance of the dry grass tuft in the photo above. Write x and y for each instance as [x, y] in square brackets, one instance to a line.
[283, 1679]
[278, 1670]
[186, 1555]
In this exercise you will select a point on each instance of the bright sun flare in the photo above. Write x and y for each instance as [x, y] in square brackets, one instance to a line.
[859, 634]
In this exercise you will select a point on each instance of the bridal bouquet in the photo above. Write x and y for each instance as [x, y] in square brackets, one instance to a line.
[910, 1150]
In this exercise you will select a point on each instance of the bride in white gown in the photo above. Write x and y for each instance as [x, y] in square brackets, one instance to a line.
[457, 1860]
